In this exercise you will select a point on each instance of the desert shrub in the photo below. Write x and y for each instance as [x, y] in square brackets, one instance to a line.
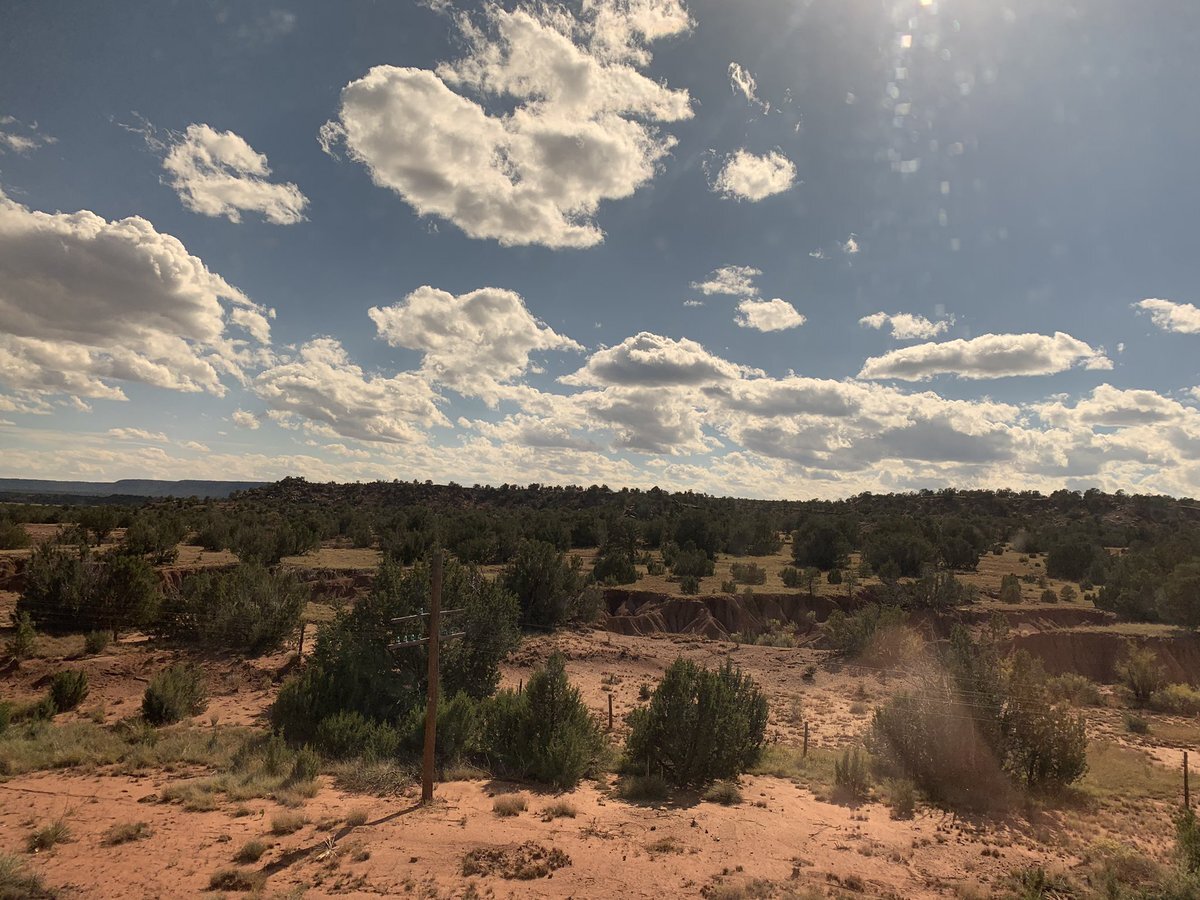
[614, 567]
[351, 667]
[247, 607]
[588, 605]
[1180, 699]
[820, 542]
[1140, 672]
[265, 541]
[460, 723]
[57, 832]
[701, 725]
[68, 688]
[978, 721]
[728, 587]
[287, 823]
[509, 805]
[13, 536]
[1135, 724]
[95, 642]
[545, 733]
[127, 833]
[690, 585]
[1073, 688]
[250, 852]
[748, 573]
[791, 577]
[306, 765]
[851, 780]
[349, 734]
[1048, 596]
[543, 581]
[852, 634]
[655, 567]
[934, 590]
[1187, 840]
[691, 562]
[643, 788]
[175, 694]
[902, 798]
[1067, 594]
[6, 714]
[24, 637]
[60, 583]
[1010, 589]
[724, 792]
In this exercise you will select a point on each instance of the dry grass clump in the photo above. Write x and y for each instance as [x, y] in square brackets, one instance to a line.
[381, 778]
[559, 810]
[643, 789]
[509, 805]
[57, 832]
[17, 883]
[724, 792]
[127, 832]
[356, 817]
[236, 880]
[251, 852]
[523, 861]
[287, 823]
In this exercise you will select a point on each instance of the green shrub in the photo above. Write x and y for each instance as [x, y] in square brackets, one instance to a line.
[728, 587]
[1180, 699]
[689, 585]
[1075, 689]
[459, 728]
[545, 733]
[748, 573]
[13, 536]
[306, 765]
[693, 562]
[791, 577]
[902, 798]
[1067, 594]
[543, 581]
[1140, 672]
[1135, 724]
[1187, 840]
[95, 642]
[24, 637]
[614, 567]
[701, 725]
[724, 792]
[251, 852]
[351, 668]
[6, 715]
[247, 607]
[1048, 596]
[852, 634]
[851, 780]
[655, 567]
[68, 688]
[1010, 589]
[175, 694]
[348, 734]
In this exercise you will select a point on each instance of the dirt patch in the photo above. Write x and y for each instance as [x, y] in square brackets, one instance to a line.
[522, 862]
[714, 617]
[1095, 652]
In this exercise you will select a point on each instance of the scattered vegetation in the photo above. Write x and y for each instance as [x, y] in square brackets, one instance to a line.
[175, 694]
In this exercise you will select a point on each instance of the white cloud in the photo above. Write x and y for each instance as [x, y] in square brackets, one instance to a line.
[735, 280]
[768, 315]
[243, 418]
[746, 176]
[850, 246]
[1182, 318]
[579, 130]
[742, 81]
[649, 360]
[473, 342]
[1112, 407]
[987, 356]
[138, 434]
[17, 137]
[691, 304]
[195, 446]
[85, 303]
[217, 173]
[321, 385]
[906, 326]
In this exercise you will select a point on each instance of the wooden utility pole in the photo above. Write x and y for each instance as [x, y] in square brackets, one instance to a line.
[433, 638]
[431, 696]
[1187, 794]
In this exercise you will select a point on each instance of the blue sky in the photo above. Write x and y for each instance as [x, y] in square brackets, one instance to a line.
[764, 248]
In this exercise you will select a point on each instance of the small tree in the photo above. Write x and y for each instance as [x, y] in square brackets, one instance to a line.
[701, 725]
[543, 581]
[545, 733]
[1140, 671]
[1010, 589]
[24, 637]
[174, 694]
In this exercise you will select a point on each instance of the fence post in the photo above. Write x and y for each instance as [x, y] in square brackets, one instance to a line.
[1187, 795]
[610, 712]
[806, 739]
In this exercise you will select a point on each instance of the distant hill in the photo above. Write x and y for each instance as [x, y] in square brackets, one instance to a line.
[127, 487]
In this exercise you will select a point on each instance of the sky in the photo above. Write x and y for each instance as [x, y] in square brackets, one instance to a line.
[772, 248]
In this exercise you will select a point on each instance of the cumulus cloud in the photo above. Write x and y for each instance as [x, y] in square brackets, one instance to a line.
[746, 176]
[17, 137]
[243, 418]
[576, 125]
[651, 360]
[1182, 318]
[138, 434]
[321, 385]
[987, 356]
[735, 280]
[850, 246]
[217, 173]
[86, 303]
[906, 326]
[472, 342]
[1112, 407]
[768, 315]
